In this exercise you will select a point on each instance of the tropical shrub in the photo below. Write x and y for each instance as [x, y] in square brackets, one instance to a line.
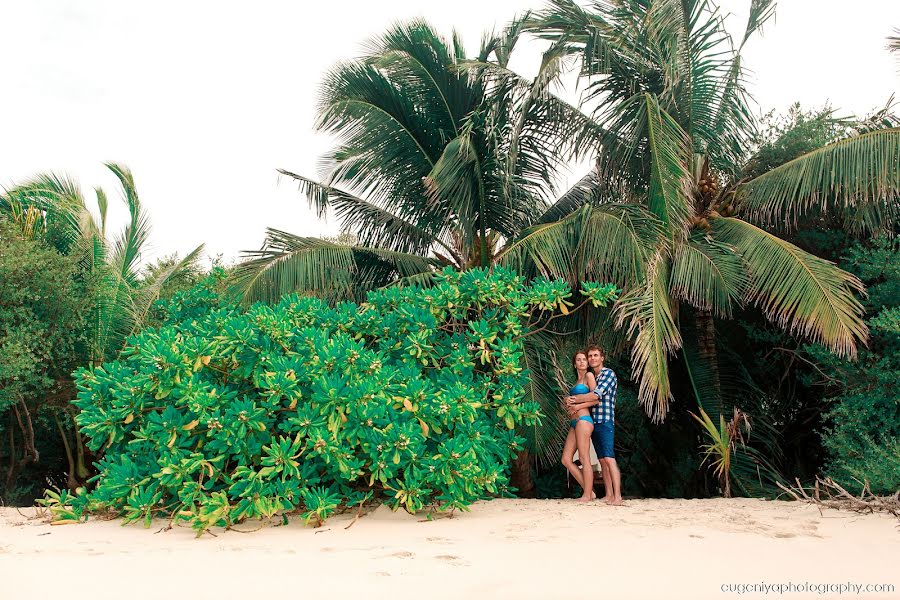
[410, 398]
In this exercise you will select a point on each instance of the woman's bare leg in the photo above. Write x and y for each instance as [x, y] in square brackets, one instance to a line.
[567, 454]
[583, 431]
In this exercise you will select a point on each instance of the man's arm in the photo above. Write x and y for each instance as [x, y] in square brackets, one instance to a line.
[579, 401]
[607, 383]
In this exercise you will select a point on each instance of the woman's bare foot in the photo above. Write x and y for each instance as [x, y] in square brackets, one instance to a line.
[617, 502]
[584, 499]
[607, 499]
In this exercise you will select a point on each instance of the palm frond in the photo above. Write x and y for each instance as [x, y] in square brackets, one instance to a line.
[289, 263]
[571, 132]
[861, 172]
[648, 313]
[456, 182]
[544, 440]
[670, 152]
[708, 275]
[372, 225]
[548, 249]
[386, 144]
[59, 199]
[502, 45]
[893, 44]
[594, 189]
[760, 12]
[585, 191]
[126, 249]
[611, 242]
[618, 242]
[148, 293]
[102, 205]
[420, 62]
[800, 292]
[553, 65]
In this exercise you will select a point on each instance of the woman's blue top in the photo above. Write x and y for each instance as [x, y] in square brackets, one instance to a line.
[579, 389]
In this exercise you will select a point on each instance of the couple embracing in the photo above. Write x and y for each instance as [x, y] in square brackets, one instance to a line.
[591, 408]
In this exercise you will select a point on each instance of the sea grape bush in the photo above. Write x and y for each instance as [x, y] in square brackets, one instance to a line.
[222, 414]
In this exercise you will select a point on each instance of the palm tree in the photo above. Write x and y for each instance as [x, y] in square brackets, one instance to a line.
[666, 85]
[442, 160]
[52, 207]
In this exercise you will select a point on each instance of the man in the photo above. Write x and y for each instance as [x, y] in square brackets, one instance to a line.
[602, 403]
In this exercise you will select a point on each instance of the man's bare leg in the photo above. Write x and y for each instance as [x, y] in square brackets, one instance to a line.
[607, 481]
[616, 476]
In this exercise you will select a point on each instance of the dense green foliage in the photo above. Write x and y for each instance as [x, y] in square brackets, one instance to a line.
[42, 325]
[813, 408]
[741, 252]
[71, 296]
[411, 398]
[441, 159]
[666, 83]
[446, 159]
[862, 439]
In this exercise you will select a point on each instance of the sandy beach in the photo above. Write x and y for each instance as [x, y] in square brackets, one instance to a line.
[501, 549]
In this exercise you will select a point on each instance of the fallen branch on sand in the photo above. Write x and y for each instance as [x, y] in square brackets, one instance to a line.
[830, 494]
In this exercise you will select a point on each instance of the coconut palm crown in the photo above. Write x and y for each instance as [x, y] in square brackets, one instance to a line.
[667, 86]
[442, 160]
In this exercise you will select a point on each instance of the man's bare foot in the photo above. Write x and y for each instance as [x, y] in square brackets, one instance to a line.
[607, 499]
[583, 499]
[617, 502]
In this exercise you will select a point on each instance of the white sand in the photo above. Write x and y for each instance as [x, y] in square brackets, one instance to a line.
[502, 549]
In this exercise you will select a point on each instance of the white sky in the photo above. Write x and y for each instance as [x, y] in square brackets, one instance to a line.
[203, 100]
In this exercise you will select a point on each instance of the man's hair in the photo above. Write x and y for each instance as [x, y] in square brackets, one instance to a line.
[597, 348]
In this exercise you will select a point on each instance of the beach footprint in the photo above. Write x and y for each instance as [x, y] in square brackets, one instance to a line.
[455, 561]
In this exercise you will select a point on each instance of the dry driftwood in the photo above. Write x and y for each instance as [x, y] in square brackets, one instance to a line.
[830, 494]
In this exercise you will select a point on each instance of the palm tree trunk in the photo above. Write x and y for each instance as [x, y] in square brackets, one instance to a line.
[706, 348]
[520, 477]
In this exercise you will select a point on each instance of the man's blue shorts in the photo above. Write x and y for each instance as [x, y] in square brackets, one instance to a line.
[602, 438]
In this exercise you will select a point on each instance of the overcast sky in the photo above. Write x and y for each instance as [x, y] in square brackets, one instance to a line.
[204, 100]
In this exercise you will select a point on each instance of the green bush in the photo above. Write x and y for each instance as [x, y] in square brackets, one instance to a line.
[862, 440]
[43, 308]
[411, 398]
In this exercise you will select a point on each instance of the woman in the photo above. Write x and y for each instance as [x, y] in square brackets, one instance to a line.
[580, 430]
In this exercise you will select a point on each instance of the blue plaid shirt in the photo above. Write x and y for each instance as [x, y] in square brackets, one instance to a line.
[607, 384]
